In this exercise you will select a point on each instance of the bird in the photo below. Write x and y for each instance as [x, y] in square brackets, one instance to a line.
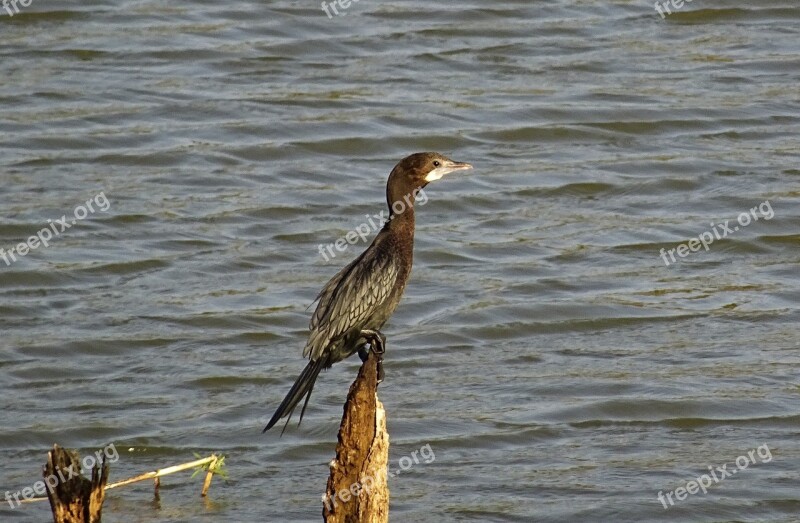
[353, 306]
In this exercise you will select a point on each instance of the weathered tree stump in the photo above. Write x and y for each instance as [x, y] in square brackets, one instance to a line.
[74, 499]
[357, 489]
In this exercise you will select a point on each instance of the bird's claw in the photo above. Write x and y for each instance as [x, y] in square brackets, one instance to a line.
[377, 344]
[376, 340]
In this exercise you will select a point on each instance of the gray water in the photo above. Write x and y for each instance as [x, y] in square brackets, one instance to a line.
[559, 370]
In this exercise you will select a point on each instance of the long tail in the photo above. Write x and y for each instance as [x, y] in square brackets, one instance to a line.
[302, 387]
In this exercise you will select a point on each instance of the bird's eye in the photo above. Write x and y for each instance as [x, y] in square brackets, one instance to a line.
[436, 163]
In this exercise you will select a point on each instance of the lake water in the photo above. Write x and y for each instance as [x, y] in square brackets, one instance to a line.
[558, 368]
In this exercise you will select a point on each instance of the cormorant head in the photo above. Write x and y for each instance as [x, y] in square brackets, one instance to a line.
[415, 172]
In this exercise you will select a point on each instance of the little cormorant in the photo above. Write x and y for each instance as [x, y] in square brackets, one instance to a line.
[355, 303]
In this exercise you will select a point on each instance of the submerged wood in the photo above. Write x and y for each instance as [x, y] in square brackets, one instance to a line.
[211, 463]
[357, 490]
[155, 474]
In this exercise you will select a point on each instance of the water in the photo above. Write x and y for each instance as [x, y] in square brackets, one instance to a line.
[558, 369]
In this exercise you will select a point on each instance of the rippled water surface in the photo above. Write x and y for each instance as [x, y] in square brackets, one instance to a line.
[558, 368]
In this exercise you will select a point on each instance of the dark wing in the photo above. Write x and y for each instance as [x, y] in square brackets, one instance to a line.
[352, 296]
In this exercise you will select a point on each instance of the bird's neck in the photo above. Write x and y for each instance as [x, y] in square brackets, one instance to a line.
[401, 215]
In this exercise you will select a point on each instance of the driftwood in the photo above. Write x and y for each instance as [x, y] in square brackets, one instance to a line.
[213, 464]
[74, 499]
[357, 490]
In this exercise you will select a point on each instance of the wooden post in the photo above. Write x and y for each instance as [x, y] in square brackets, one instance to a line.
[357, 490]
[74, 499]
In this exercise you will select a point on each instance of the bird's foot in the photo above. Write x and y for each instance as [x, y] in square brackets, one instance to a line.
[376, 340]
[377, 344]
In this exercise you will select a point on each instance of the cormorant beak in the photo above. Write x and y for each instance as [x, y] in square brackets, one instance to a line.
[447, 167]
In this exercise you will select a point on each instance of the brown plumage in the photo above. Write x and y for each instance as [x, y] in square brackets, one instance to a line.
[357, 301]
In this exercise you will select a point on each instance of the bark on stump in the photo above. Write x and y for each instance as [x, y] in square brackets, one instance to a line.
[357, 490]
[74, 499]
